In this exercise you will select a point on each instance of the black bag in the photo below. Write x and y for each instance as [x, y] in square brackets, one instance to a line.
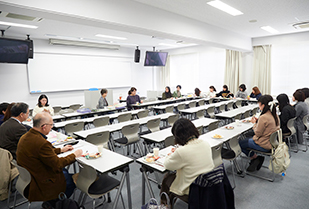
[65, 203]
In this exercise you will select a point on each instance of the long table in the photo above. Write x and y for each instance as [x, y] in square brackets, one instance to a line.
[77, 114]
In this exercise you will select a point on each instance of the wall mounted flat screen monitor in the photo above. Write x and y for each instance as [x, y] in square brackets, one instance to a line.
[14, 51]
[155, 58]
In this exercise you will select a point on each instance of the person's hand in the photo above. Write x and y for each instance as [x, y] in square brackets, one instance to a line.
[142, 101]
[45, 110]
[67, 148]
[253, 119]
[78, 153]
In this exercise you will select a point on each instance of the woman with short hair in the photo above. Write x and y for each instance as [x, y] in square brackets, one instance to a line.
[43, 106]
[242, 92]
[132, 98]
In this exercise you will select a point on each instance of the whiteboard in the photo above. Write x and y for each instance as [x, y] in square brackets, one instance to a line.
[49, 72]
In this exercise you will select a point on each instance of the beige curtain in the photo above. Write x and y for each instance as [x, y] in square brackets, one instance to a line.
[165, 75]
[233, 65]
[262, 68]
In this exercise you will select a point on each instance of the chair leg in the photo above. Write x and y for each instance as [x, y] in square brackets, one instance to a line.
[233, 173]
[122, 201]
[140, 149]
[29, 204]
[109, 199]
[93, 203]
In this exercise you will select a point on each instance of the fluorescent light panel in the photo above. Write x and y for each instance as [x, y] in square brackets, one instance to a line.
[18, 25]
[270, 29]
[111, 37]
[225, 8]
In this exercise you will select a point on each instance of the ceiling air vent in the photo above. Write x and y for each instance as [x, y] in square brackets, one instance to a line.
[20, 17]
[53, 41]
[301, 25]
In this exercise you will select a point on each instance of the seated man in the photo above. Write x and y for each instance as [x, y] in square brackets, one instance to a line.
[37, 155]
[12, 129]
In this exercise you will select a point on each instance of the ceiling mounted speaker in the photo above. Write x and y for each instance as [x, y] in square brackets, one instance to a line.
[137, 55]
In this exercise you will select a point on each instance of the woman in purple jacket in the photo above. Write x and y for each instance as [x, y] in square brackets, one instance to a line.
[132, 98]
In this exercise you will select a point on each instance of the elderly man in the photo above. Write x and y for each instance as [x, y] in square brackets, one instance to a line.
[37, 155]
[12, 129]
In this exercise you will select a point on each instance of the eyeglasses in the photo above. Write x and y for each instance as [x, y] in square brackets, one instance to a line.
[47, 124]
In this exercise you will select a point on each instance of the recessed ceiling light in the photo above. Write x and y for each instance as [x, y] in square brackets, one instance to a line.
[225, 8]
[164, 44]
[270, 29]
[18, 25]
[111, 37]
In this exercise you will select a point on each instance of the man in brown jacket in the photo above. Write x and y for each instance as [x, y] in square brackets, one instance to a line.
[39, 157]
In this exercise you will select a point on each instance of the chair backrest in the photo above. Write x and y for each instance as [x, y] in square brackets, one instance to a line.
[210, 100]
[200, 129]
[254, 111]
[30, 112]
[124, 117]
[212, 126]
[211, 111]
[102, 121]
[74, 106]
[234, 145]
[73, 127]
[200, 114]
[65, 111]
[305, 121]
[154, 125]
[181, 107]
[169, 141]
[238, 103]
[131, 132]
[274, 139]
[216, 155]
[86, 177]
[291, 126]
[201, 102]
[169, 109]
[172, 119]
[238, 116]
[142, 114]
[192, 104]
[23, 180]
[247, 113]
[222, 107]
[57, 109]
[99, 139]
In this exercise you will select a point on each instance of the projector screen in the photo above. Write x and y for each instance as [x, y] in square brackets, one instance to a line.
[49, 72]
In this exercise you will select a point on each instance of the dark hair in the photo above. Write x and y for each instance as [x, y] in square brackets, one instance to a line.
[168, 94]
[19, 108]
[131, 90]
[8, 113]
[42, 97]
[178, 86]
[306, 92]
[212, 87]
[283, 101]
[256, 90]
[3, 107]
[197, 91]
[225, 87]
[103, 91]
[299, 95]
[183, 129]
[243, 87]
[265, 99]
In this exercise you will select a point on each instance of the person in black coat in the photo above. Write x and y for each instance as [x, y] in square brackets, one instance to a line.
[286, 110]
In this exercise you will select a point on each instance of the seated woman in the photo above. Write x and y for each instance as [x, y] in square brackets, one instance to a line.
[197, 92]
[102, 101]
[267, 124]
[192, 158]
[255, 93]
[43, 106]
[177, 93]
[3, 107]
[225, 92]
[242, 92]
[286, 112]
[212, 92]
[301, 110]
[132, 98]
[167, 94]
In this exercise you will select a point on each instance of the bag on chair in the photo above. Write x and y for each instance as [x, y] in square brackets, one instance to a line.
[153, 203]
[281, 157]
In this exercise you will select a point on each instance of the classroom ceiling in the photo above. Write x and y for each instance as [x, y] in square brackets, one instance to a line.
[279, 14]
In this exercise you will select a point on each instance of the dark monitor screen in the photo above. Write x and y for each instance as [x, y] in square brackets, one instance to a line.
[155, 58]
[14, 51]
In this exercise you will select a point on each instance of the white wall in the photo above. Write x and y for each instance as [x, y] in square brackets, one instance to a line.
[14, 82]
